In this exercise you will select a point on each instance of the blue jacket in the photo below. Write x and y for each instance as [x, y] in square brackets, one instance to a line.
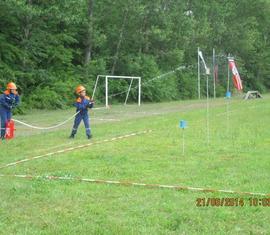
[82, 104]
[9, 101]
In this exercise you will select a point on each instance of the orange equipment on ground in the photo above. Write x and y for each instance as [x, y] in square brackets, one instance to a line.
[10, 129]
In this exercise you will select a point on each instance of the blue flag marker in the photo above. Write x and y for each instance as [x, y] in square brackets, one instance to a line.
[228, 94]
[183, 124]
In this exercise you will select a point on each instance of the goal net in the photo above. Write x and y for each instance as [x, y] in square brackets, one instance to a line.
[107, 78]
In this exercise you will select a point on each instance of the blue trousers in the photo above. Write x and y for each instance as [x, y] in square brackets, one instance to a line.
[5, 116]
[79, 117]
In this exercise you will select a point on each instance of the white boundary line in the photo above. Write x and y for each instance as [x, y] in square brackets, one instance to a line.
[128, 183]
[74, 148]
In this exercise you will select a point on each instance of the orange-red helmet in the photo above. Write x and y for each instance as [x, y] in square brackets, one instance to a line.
[79, 89]
[11, 86]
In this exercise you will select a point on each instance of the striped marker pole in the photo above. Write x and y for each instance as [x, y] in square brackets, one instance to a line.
[128, 183]
[74, 148]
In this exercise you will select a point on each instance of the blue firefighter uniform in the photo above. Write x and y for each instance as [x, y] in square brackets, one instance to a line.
[82, 104]
[8, 101]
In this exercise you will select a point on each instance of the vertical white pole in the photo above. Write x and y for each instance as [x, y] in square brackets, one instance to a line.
[227, 115]
[106, 91]
[214, 65]
[228, 77]
[199, 78]
[128, 91]
[183, 138]
[207, 109]
[139, 93]
[228, 99]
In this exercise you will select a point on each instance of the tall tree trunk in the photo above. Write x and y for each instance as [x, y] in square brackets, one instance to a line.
[142, 35]
[89, 37]
[116, 55]
[26, 33]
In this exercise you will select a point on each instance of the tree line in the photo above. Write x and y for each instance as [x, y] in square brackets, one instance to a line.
[48, 47]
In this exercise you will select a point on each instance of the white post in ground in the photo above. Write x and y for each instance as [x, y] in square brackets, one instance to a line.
[199, 78]
[214, 80]
[183, 144]
[139, 92]
[228, 76]
[183, 125]
[207, 107]
[106, 91]
[228, 96]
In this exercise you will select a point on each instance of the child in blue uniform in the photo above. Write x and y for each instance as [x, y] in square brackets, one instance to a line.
[8, 101]
[83, 103]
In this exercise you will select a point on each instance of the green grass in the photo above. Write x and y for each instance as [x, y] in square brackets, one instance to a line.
[237, 158]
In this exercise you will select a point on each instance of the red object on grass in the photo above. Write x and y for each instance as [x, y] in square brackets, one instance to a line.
[10, 129]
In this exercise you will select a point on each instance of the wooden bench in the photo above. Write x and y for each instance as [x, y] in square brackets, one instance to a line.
[252, 95]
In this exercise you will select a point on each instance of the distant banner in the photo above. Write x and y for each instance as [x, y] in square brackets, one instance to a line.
[236, 77]
[204, 64]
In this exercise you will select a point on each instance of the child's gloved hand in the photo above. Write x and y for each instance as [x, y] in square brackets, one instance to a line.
[90, 105]
[10, 100]
[88, 102]
[13, 102]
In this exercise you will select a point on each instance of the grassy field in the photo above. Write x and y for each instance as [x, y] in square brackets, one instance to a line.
[236, 158]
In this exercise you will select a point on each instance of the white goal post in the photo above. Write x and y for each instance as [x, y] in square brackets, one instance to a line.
[107, 77]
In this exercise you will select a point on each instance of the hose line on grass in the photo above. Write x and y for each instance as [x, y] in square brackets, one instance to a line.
[49, 127]
[46, 128]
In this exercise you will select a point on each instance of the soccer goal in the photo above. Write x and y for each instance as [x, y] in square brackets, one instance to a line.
[111, 77]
